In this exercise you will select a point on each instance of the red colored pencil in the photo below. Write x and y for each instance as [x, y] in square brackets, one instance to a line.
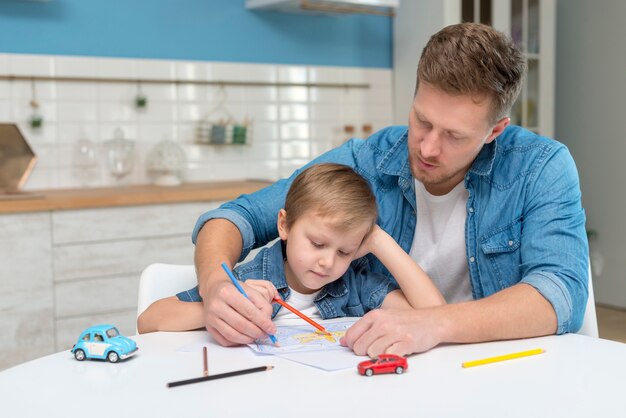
[301, 315]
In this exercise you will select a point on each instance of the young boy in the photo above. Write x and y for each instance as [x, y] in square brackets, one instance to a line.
[326, 228]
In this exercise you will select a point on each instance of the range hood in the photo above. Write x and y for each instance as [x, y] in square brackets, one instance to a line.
[377, 7]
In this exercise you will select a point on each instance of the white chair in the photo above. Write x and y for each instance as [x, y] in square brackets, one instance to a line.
[590, 321]
[162, 280]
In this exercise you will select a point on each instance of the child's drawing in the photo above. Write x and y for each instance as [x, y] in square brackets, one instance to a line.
[302, 338]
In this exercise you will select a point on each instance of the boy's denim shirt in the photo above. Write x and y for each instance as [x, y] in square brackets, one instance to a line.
[355, 293]
[525, 222]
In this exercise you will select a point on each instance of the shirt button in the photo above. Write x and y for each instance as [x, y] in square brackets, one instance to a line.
[471, 210]
[472, 259]
[510, 243]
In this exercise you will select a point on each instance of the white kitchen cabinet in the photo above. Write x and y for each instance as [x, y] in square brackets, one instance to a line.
[99, 254]
[530, 23]
[63, 271]
[26, 301]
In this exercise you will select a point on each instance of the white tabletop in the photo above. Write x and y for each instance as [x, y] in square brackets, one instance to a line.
[578, 376]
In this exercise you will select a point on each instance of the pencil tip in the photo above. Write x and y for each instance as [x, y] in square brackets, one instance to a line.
[270, 367]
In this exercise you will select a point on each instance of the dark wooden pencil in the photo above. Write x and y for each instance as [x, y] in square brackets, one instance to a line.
[205, 369]
[219, 376]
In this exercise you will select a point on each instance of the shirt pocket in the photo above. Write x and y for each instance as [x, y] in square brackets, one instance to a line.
[502, 252]
[355, 310]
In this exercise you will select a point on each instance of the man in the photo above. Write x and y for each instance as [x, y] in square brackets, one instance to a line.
[492, 212]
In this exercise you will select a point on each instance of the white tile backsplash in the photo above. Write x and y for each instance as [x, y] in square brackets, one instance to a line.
[36, 65]
[294, 130]
[325, 75]
[37, 137]
[155, 69]
[6, 111]
[191, 70]
[265, 73]
[295, 149]
[261, 94]
[75, 66]
[116, 68]
[23, 90]
[290, 125]
[156, 92]
[80, 112]
[293, 94]
[292, 74]
[224, 71]
[294, 112]
[67, 90]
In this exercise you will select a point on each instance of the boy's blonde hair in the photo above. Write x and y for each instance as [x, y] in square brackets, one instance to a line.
[335, 191]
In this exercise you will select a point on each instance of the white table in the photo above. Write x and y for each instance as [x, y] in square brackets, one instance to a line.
[578, 376]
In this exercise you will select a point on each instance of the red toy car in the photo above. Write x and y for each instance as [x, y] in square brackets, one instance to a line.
[385, 363]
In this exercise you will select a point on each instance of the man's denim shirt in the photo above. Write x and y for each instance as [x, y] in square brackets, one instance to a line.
[355, 293]
[525, 222]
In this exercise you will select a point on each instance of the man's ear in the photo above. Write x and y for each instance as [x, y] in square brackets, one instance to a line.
[283, 230]
[498, 128]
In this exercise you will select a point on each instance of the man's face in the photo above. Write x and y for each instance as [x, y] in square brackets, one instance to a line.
[446, 133]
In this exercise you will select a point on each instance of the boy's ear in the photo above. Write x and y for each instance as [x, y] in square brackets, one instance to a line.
[283, 230]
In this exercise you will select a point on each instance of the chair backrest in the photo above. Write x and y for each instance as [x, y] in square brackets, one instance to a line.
[161, 280]
[590, 321]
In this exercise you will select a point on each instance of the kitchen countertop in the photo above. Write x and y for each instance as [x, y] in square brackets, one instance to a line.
[65, 199]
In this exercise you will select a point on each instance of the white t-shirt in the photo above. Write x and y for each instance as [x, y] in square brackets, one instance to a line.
[303, 303]
[439, 241]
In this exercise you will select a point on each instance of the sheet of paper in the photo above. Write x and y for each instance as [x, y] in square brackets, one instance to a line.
[299, 343]
[337, 359]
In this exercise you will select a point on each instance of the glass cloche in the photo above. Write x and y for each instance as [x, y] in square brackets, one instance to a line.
[165, 163]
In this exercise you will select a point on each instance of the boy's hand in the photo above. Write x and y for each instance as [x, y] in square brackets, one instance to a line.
[264, 288]
[369, 242]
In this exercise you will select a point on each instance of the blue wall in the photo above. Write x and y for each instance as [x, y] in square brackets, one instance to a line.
[214, 30]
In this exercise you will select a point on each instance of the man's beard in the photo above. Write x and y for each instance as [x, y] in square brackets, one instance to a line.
[435, 180]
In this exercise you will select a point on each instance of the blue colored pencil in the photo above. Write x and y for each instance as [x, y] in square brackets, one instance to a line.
[238, 286]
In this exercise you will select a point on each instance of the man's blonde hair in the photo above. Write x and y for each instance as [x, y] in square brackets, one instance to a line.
[476, 60]
[334, 191]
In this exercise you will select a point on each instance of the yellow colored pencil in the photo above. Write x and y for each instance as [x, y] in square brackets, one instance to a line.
[502, 358]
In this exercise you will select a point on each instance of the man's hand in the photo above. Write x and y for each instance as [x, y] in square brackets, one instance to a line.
[231, 318]
[392, 331]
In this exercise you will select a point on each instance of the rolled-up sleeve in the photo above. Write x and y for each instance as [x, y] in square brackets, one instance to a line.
[553, 289]
[239, 221]
[555, 249]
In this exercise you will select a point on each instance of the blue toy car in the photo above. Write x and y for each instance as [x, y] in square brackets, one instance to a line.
[103, 342]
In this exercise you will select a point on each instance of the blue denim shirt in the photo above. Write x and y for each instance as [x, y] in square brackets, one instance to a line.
[525, 222]
[355, 293]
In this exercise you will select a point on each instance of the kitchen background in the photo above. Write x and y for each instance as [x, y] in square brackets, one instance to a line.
[299, 83]
[188, 41]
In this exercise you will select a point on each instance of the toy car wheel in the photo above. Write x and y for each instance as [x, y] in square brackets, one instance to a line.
[79, 355]
[369, 372]
[113, 357]
[399, 370]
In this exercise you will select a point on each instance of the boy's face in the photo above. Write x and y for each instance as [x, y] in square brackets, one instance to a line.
[446, 133]
[317, 252]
